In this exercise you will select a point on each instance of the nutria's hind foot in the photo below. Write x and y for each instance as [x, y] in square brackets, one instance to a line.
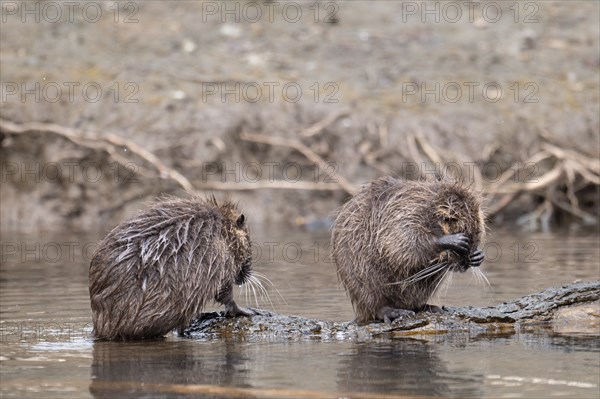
[455, 242]
[233, 310]
[476, 258]
[225, 297]
[388, 314]
[432, 309]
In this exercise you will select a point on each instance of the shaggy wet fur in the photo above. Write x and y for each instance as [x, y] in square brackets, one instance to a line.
[390, 230]
[156, 271]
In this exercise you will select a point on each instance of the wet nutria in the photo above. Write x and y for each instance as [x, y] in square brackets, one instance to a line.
[156, 271]
[395, 240]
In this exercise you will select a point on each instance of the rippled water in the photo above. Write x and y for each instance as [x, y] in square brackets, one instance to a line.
[46, 350]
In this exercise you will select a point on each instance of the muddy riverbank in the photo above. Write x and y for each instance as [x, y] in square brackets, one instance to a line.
[281, 113]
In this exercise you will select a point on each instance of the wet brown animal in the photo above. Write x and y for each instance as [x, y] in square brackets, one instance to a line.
[156, 271]
[395, 241]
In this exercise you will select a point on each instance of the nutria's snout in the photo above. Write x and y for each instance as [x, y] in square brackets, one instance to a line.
[463, 263]
[245, 272]
[461, 266]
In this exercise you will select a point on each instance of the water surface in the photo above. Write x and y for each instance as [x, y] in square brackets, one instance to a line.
[46, 350]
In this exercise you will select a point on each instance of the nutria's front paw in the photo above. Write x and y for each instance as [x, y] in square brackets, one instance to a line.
[388, 314]
[455, 242]
[476, 258]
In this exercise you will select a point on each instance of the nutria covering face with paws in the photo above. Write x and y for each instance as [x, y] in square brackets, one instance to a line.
[156, 271]
[394, 242]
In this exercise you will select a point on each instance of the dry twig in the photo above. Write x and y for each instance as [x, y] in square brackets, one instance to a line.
[323, 123]
[300, 147]
[112, 143]
[108, 141]
[567, 167]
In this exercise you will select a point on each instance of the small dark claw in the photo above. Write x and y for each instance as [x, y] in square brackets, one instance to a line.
[476, 258]
[388, 314]
[456, 242]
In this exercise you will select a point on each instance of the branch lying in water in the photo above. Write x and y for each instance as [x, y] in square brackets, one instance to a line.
[559, 308]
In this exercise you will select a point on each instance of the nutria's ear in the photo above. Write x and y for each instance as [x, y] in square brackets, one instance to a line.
[240, 221]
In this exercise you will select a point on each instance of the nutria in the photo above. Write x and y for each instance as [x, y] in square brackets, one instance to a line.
[156, 271]
[395, 241]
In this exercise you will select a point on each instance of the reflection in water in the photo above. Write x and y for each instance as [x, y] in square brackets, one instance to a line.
[145, 369]
[405, 366]
[566, 343]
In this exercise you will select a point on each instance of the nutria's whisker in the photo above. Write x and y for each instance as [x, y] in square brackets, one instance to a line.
[251, 284]
[448, 282]
[245, 291]
[258, 287]
[476, 276]
[423, 277]
[258, 274]
[262, 276]
[420, 275]
[255, 289]
[431, 270]
[265, 292]
[254, 293]
[440, 280]
[262, 290]
[423, 274]
[480, 275]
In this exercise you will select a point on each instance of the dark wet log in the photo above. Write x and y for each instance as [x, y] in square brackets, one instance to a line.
[571, 308]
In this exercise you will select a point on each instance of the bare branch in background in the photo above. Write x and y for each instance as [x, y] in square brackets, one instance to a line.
[107, 141]
[567, 167]
[323, 123]
[300, 147]
[114, 144]
[566, 172]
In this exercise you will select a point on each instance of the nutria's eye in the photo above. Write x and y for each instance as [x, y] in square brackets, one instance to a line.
[240, 221]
